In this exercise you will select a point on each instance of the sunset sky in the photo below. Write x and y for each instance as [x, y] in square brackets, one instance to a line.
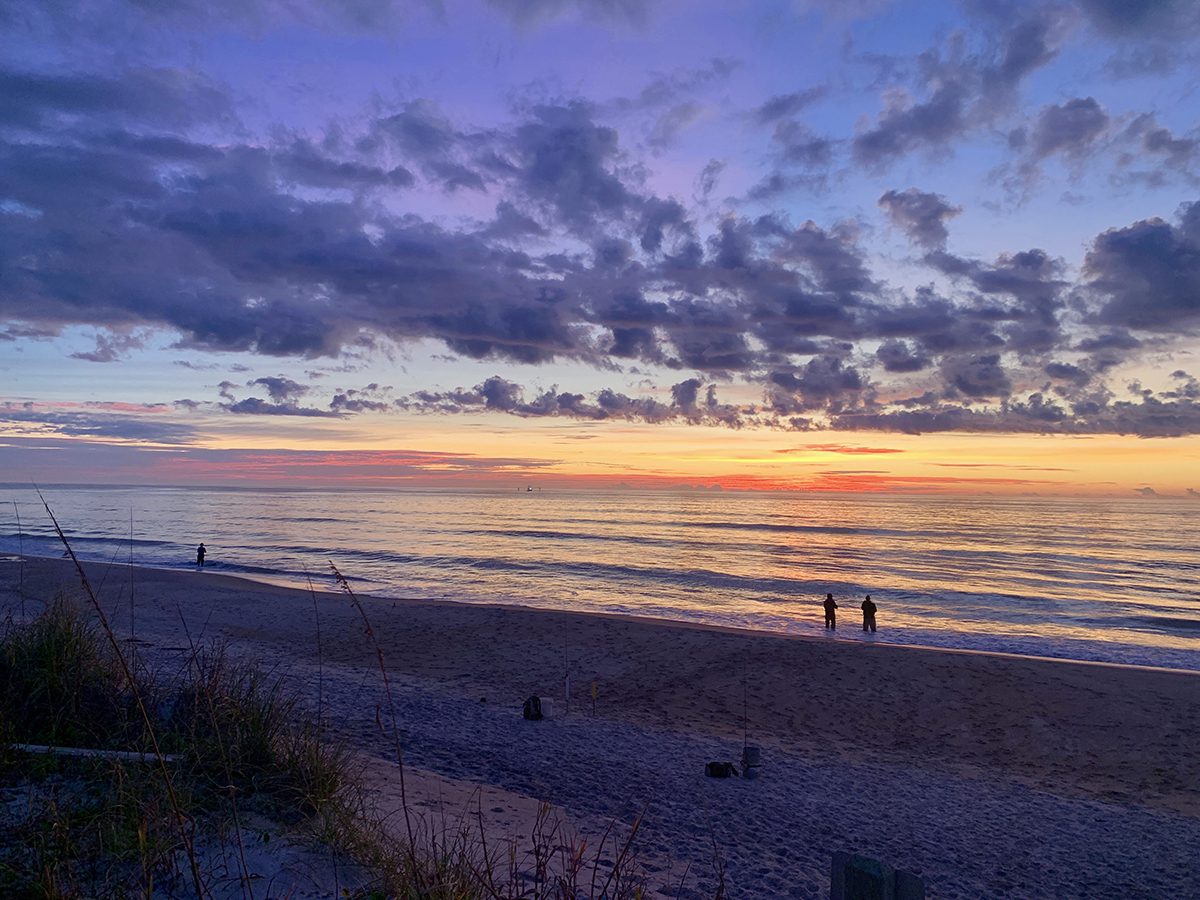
[858, 245]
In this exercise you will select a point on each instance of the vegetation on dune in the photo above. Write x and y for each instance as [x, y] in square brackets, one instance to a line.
[100, 825]
[158, 776]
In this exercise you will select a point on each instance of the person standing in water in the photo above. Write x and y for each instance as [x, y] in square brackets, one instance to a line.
[200, 551]
[830, 612]
[868, 609]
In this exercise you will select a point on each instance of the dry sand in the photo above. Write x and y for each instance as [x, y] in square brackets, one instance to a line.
[990, 775]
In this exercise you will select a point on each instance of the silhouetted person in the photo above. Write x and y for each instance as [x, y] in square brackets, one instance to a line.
[868, 608]
[830, 612]
[200, 551]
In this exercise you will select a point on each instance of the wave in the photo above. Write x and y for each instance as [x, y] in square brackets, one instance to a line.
[1170, 623]
[39, 534]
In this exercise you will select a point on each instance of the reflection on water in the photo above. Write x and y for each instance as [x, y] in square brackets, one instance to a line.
[1101, 579]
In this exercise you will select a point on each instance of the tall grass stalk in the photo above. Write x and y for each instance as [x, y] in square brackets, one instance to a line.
[387, 690]
[127, 671]
[198, 669]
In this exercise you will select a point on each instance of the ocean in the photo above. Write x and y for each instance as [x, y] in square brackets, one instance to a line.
[1112, 580]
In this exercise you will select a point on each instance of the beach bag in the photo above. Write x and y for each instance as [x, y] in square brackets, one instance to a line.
[533, 708]
[719, 770]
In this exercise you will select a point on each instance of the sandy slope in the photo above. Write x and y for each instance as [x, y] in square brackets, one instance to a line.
[991, 775]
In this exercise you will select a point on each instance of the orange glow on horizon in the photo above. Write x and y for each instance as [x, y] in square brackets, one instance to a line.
[498, 451]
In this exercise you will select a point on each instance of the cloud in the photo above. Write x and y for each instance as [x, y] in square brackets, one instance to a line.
[279, 388]
[497, 394]
[564, 159]
[1147, 275]
[823, 382]
[783, 106]
[113, 346]
[1146, 491]
[147, 209]
[977, 377]
[1067, 372]
[165, 97]
[905, 126]
[1131, 18]
[37, 419]
[1180, 154]
[958, 92]
[1149, 415]
[898, 356]
[256, 406]
[1069, 128]
[920, 215]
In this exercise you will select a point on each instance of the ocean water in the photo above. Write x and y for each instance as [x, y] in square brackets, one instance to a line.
[1110, 580]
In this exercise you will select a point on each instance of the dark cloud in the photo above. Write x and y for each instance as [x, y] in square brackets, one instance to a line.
[511, 223]
[1125, 18]
[164, 97]
[1181, 154]
[428, 140]
[903, 128]
[1147, 275]
[372, 398]
[800, 148]
[1067, 372]
[498, 394]
[922, 216]
[303, 164]
[898, 356]
[976, 377]
[566, 160]
[1069, 128]
[823, 382]
[256, 406]
[958, 92]
[1031, 278]
[125, 214]
[280, 389]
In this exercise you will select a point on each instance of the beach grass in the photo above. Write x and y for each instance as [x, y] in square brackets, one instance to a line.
[87, 816]
[119, 781]
[85, 821]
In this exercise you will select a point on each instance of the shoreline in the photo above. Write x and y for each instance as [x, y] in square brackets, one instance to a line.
[285, 584]
[941, 762]
[606, 647]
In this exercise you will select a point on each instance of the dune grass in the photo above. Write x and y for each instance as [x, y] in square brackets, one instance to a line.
[99, 826]
[225, 748]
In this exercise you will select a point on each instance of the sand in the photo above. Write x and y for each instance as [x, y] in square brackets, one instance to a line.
[987, 774]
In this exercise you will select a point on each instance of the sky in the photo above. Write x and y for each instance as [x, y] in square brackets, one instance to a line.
[795, 245]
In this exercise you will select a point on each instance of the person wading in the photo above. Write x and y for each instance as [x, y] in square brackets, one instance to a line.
[868, 610]
[830, 612]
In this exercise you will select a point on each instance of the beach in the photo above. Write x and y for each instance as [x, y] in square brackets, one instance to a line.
[986, 774]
